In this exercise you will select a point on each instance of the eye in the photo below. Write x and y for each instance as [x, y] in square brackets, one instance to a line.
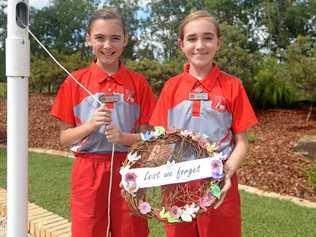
[191, 39]
[99, 38]
[208, 38]
[116, 38]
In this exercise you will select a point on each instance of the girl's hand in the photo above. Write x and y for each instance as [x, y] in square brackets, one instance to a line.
[101, 116]
[229, 171]
[114, 134]
[226, 187]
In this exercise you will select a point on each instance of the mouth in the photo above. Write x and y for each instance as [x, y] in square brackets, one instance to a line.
[108, 54]
[200, 54]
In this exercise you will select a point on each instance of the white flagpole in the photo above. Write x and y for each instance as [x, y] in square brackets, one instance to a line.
[18, 72]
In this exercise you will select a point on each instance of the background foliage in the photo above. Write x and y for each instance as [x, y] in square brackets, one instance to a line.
[268, 44]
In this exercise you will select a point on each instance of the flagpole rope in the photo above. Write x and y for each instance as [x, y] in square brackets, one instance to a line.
[100, 103]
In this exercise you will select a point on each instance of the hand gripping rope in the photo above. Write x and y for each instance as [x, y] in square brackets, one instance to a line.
[99, 102]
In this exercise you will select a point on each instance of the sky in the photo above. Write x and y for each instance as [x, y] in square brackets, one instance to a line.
[44, 3]
[38, 3]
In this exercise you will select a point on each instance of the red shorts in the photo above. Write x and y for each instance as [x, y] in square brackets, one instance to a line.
[224, 221]
[89, 199]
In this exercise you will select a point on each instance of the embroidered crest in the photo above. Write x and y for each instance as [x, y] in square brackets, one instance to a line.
[219, 103]
[129, 96]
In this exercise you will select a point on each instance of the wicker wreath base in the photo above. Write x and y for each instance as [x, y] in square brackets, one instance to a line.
[178, 202]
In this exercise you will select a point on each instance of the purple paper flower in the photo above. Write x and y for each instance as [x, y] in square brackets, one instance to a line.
[144, 207]
[175, 211]
[216, 169]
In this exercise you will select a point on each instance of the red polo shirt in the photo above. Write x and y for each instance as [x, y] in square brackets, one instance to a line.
[224, 109]
[133, 105]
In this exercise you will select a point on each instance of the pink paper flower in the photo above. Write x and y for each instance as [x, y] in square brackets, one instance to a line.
[171, 131]
[207, 200]
[175, 211]
[144, 207]
[130, 177]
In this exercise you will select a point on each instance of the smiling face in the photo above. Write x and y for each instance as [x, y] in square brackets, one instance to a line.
[200, 43]
[107, 40]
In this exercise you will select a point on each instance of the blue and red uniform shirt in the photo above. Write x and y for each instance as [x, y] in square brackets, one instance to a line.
[126, 92]
[216, 106]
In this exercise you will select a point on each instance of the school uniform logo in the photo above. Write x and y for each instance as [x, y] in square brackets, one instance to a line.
[219, 103]
[129, 96]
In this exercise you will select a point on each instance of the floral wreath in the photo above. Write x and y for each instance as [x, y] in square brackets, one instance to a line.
[176, 202]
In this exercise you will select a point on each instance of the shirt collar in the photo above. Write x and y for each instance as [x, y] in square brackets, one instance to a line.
[207, 82]
[100, 75]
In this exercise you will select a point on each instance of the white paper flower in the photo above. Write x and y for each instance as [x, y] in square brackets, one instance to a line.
[189, 212]
[133, 157]
[170, 165]
[186, 133]
[124, 170]
[219, 156]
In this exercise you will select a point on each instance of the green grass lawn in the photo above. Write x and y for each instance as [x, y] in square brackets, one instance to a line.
[3, 89]
[49, 187]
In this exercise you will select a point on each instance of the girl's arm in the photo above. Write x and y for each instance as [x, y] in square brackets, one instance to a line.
[70, 135]
[116, 136]
[238, 154]
[233, 163]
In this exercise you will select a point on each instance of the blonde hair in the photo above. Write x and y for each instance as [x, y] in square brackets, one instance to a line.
[198, 15]
[106, 14]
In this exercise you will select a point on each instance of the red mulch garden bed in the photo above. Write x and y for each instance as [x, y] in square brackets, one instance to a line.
[271, 165]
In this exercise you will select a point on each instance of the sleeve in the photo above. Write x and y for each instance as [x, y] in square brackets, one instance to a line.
[147, 103]
[62, 108]
[160, 114]
[243, 114]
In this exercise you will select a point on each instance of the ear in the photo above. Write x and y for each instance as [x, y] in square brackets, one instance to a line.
[125, 40]
[220, 43]
[88, 40]
[180, 43]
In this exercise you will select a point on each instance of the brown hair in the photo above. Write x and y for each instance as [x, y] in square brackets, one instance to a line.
[106, 14]
[198, 15]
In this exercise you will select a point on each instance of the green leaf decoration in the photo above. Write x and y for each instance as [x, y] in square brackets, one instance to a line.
[166, 215]
[163, 213]
[216, 190]
[172, 219]
[159, 131]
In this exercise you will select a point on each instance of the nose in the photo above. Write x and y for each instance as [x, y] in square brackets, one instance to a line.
[199, 44]
[107, 44]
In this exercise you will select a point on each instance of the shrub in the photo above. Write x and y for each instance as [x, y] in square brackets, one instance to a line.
[46, 76]
[156, 73]
[271, 88]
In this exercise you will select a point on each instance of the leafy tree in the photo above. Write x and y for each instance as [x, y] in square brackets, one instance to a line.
[129, 10]
[162, 25]
[301, 61]
[235, 57]
[285, 20]
[62, 25]
[244, 14]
